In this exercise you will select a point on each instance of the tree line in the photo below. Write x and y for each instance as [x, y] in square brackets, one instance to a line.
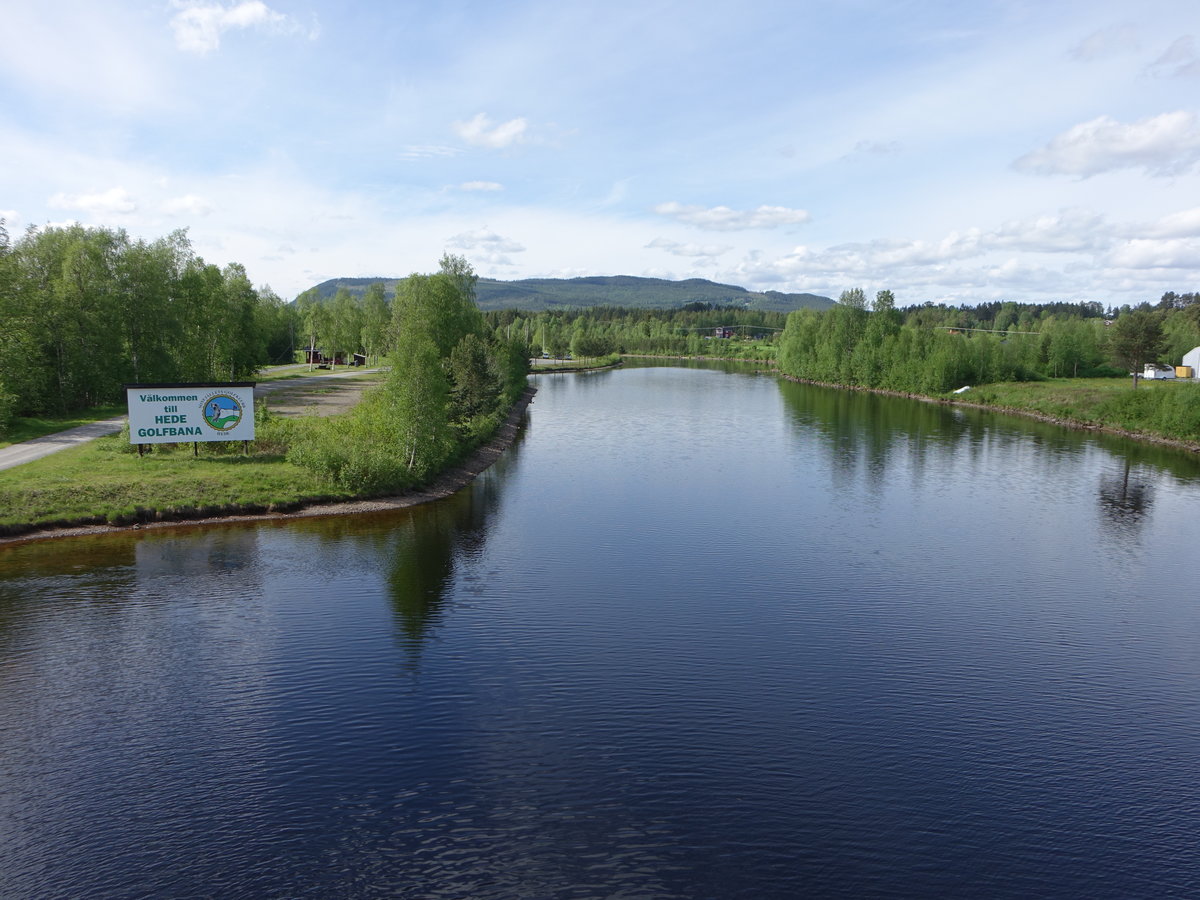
[451, 381]
[86, 310]
[601, 330]
[932, 349]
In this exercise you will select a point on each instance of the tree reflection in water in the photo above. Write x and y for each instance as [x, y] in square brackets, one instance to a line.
[1125, 500]
[426, 546]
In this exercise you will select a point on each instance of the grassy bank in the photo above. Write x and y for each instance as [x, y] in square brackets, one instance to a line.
[582, 364]
[103, 482]
[1161, 409]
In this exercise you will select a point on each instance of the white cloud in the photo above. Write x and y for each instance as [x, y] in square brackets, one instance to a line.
[481, 186]
[1156, 253]
[188, 205]
[103, 54]
[887, 253]
[485, 238]
[63, 223]
[198, 26]
[114, 201]
[722, 218]
[1067, 231]
[1181, 224]
[428, 151]
[11, 218]
[480, 132]
[486, 246]
[1178, 60]
[1106, 42]
[874, 148]
[1166, 144]
[689, 250]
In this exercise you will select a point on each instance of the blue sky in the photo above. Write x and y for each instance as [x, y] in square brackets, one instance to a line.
[950, 152]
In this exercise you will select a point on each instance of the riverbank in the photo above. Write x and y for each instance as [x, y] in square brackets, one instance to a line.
[1071, 403]
[448, 482]
[540, 367]
[739, 359]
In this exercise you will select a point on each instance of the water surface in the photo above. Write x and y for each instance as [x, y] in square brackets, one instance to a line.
[699, 633]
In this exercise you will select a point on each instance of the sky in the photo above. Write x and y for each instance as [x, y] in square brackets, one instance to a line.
[949, 152]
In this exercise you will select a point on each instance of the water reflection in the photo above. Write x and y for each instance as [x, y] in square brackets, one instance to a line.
[861, 433]
[691, 639]
[1126, 496]
[426, 550]
[866, 438]
[418, 551]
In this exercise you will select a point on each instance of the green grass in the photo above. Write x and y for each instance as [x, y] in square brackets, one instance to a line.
[573, 365]
[26, 428]
[1168, 409]
[103, 481]
[304, 370]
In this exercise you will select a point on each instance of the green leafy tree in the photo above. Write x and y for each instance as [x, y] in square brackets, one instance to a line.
[314, 317]
[376, 319]
[345, 325]
[475, 382]
[419, 401]
[1136, 339]
[436, 304]
[853, 298]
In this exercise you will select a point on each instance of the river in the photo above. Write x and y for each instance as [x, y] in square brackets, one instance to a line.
[699, 633]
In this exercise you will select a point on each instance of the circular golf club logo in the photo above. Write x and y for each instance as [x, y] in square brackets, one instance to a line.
[222, 412]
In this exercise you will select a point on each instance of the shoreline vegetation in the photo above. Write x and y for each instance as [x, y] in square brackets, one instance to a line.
[445, 483]
[452, 382]
[457, 376]
[1069, 403]
[1104, 405]
[1077, 422]
[1065, 365]
[555, 366]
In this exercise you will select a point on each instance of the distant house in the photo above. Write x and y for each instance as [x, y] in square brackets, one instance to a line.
[723, 331]
[1158, 370]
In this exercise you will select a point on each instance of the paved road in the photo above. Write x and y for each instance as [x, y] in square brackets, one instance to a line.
[28, 451]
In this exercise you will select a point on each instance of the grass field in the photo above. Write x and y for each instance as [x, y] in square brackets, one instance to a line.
[1168, 409]
[105, 480]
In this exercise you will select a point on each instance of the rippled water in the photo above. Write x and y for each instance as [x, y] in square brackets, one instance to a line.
[699, 634]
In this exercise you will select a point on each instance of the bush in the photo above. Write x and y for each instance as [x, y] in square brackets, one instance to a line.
[345, 453]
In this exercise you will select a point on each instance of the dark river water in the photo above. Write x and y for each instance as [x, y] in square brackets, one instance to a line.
[699, 634]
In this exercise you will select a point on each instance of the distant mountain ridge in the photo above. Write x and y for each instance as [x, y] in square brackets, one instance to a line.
[537, 294]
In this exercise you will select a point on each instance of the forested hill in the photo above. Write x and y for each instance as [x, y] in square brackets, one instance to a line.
[628, 291]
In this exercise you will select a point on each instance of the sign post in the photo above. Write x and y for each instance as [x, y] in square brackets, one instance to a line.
[183, 413]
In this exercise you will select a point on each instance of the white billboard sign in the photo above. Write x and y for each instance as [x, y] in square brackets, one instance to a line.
[182, 413]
